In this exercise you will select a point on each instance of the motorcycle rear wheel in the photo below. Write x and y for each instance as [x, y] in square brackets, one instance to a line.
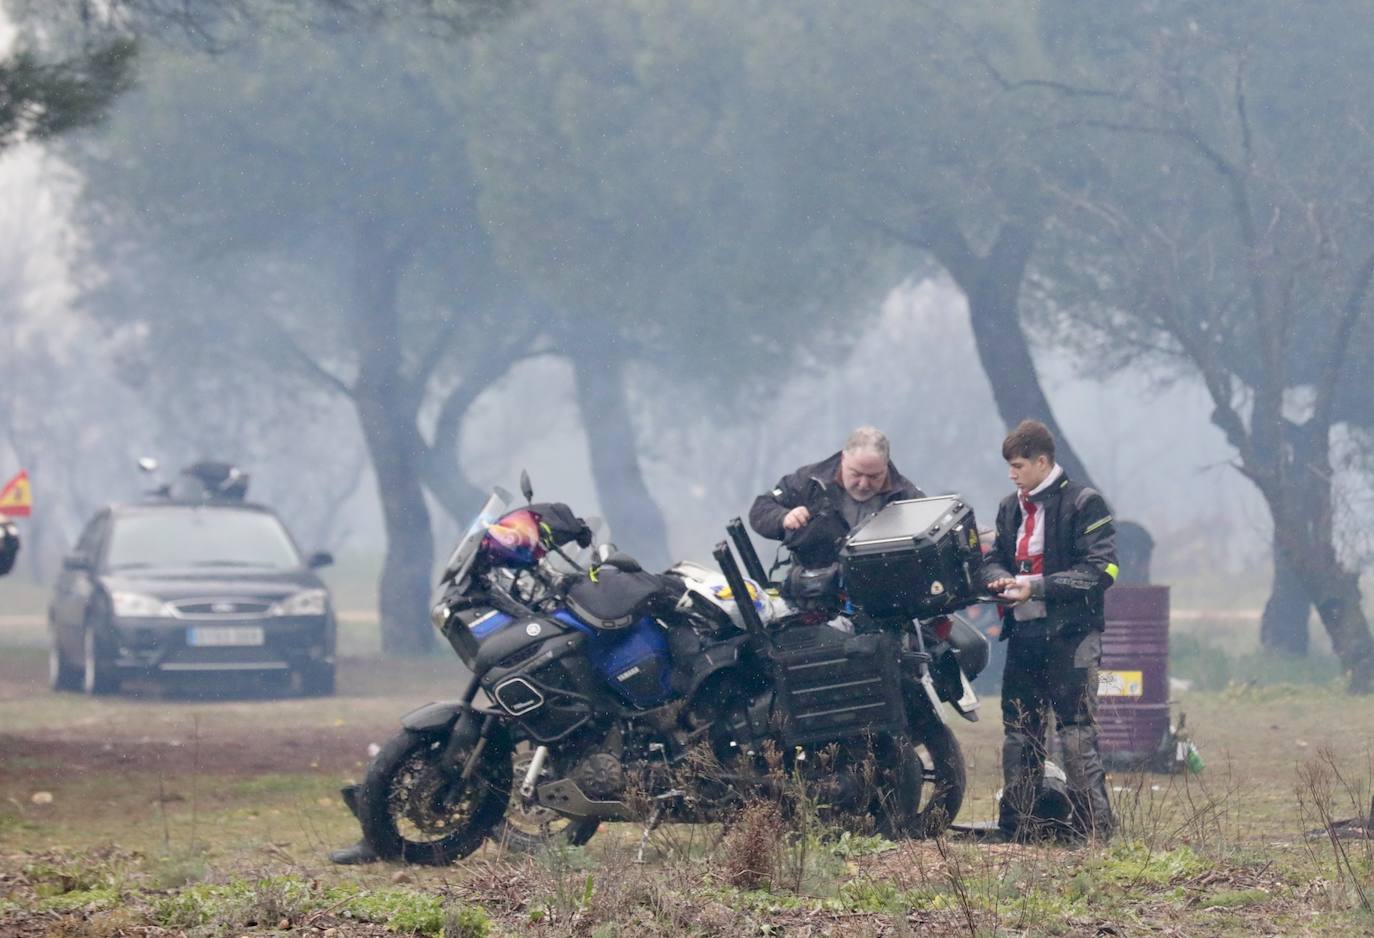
[413, 809]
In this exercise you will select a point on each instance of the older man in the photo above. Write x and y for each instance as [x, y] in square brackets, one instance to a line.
[842, 492]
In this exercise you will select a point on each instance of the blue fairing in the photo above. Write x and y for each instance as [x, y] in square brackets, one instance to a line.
[489, 623]
[613, 653]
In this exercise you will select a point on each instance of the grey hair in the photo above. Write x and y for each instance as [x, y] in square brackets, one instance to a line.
[868, 439]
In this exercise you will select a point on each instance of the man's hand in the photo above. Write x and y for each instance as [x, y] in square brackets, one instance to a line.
[796, 518]
[999, 584]
[1014, 591]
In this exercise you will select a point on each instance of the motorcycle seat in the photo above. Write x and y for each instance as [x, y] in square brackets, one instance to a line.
[614, 599]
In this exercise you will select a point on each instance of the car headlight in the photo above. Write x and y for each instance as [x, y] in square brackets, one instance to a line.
[138, 606]
[304, 603]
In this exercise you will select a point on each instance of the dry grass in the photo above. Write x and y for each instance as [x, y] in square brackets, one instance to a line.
[1221, 853]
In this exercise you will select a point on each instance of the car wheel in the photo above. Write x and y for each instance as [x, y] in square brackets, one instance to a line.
[98, 674]
[61, 676]
[317, 680]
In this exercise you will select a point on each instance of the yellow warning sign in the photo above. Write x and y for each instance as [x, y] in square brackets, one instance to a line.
[1120, 683]
[16, 498]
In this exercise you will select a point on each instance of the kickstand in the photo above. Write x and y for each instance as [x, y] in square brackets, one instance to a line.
[655, 818]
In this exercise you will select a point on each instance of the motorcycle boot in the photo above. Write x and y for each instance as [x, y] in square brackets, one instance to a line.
[1092, 811]
[354, 854]
[361, 852]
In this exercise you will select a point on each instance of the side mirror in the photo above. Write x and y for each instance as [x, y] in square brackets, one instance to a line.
[320, 558]
[76, 562]
[526, 487]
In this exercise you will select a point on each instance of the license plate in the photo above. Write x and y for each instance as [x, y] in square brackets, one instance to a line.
[222, 635]
[1120, 683]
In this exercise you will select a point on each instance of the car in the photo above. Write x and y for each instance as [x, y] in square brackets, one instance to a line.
[193, 580]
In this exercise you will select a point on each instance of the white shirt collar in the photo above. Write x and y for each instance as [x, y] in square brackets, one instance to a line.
[1050, 479]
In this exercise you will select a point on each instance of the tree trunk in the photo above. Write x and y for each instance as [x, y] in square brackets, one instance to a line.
[992, 286]
[1300, 502]
[404, 587]
[634, 517]
[443, 473]
[1283, 627]
[388, 408]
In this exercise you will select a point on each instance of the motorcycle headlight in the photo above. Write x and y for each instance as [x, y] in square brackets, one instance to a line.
[439, 616]
[138, 606]
[305, 603]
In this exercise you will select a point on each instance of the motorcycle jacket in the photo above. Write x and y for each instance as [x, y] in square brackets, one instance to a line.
[1079, 558]
[768, 510]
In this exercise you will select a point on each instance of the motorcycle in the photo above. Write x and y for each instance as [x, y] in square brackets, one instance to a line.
[601, 692]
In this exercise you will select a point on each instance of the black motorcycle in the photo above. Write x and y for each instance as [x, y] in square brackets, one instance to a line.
[622, 695]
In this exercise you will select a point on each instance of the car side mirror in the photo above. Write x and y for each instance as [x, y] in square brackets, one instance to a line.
[76, 562]
[320, 558]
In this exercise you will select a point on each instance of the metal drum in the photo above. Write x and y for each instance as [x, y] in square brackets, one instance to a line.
[1133, 684]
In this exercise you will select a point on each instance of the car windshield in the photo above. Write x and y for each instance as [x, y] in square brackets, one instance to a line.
[199, 537]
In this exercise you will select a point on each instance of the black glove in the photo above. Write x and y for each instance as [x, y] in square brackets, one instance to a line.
[561, 526]
[817, 542]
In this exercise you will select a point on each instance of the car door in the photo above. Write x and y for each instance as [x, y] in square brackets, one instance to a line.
[75, 587]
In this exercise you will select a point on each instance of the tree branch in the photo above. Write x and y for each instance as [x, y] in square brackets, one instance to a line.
[434, 353]
[309, 366]
[942, 239]
[1340, 340]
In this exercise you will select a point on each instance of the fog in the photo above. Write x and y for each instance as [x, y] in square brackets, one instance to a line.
[660, 255]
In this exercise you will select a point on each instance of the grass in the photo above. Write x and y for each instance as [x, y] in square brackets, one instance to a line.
[206, 847]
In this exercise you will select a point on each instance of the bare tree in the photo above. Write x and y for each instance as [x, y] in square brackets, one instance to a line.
[1240, 245]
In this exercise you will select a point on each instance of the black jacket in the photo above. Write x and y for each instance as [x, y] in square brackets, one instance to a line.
[1080, 558]
[9, 545]
[796, 489]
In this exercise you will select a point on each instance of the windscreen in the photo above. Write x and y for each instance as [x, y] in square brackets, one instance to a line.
[497, 504]
[199, 536]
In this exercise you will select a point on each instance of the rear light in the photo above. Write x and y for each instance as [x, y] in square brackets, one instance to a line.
[941, 627]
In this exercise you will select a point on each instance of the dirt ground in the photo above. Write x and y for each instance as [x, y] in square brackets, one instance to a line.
[237, 786]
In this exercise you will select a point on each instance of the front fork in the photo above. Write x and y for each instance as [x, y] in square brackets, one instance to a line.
[920, 660]
[536, 766]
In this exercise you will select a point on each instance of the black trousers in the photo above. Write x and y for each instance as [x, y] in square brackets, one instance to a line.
[1055, 675]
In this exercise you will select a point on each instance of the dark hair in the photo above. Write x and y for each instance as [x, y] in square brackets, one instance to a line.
[1030, 439]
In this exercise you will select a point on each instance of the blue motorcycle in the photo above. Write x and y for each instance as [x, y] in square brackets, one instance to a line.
[603, 692]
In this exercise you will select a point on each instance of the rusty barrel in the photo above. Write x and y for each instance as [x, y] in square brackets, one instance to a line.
[1133, 684]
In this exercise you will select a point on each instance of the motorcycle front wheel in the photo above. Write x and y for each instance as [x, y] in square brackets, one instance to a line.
[944, 779]
[532, 828]
[414, 809]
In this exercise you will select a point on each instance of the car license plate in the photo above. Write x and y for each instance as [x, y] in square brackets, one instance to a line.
[222, 635]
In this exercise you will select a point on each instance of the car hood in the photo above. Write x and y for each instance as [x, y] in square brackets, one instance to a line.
[189, 584]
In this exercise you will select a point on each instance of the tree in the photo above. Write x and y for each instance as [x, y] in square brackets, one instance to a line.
[903, 130]
[1226, 227]
[320, 172]
[621, 179]
[39, 100]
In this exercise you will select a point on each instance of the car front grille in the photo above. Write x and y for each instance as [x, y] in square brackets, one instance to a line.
[222, 609]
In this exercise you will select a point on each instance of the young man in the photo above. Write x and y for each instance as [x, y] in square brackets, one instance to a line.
[1052, 562]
